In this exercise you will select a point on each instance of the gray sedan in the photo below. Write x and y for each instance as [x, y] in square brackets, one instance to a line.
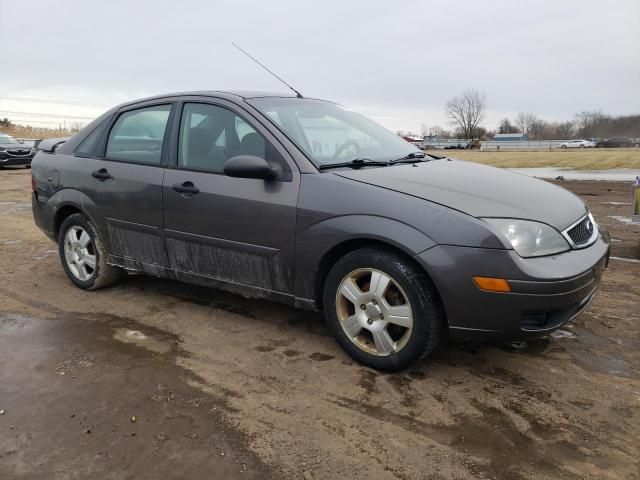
[307, 203]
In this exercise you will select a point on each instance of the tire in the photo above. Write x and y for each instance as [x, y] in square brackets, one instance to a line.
[409, 297]
[27, 166]
[581, 146]
[85, 260]
[564, 147]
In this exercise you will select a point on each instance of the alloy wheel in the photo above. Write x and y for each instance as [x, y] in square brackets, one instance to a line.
[374, 311]
[79, 253]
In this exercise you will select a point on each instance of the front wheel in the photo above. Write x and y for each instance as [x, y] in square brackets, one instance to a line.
[83, 255]
[382, 309]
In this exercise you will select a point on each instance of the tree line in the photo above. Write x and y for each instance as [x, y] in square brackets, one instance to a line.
[466, 113]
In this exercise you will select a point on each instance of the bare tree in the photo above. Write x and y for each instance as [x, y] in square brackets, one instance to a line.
[438, 131]
[506, 127]
[467, 111]
[526, 122]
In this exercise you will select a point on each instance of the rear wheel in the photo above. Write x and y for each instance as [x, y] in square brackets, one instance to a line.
[382, 309]
[83, 255]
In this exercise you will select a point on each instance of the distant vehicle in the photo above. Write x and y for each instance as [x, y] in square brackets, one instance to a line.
[447, 144]
[398, 248]
[578, 144]
[14, 152]
[618, 142]
[511, 137]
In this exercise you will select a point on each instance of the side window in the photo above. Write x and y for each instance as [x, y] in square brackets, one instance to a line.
[137, 135]
[89, 142]
[211, 135]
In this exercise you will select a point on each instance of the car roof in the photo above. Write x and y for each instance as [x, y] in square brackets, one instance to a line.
[227, 94]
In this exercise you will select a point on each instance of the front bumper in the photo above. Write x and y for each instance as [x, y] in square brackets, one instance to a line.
[15, 160]
[546, 293]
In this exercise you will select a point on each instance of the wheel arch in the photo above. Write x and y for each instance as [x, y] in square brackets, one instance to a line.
[341, 249]
[62, 213]
[66, 202]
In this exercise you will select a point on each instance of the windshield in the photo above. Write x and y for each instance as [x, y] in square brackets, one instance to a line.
[8, 140]
[330, 134]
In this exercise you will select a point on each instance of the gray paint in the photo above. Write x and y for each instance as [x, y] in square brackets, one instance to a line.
[270, 239]
[479, 190]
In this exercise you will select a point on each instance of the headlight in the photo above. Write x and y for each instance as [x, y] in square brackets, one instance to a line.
[530, 239]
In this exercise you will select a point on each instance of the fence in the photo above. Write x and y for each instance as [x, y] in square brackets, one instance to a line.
[539, 145]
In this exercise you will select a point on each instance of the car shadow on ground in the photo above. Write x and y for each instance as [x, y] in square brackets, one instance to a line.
[449, 353]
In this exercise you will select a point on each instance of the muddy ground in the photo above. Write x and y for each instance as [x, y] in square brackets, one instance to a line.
[158, 379]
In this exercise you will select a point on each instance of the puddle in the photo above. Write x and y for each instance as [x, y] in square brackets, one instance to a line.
[622, 219]
[623, 259]
[103, 326]
[141, 340]
[13, 207]
[613, 175]
[606, 364]
[96, 384]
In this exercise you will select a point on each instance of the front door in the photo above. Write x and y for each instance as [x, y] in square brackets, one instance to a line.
[123, 185]
[231, 229]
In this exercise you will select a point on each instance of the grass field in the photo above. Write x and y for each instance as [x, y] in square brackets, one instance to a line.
[583, 159]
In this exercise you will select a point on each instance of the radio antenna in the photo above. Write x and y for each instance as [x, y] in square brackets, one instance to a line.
[298, 94]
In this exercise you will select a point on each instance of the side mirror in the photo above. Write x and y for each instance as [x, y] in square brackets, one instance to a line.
[21, 141]
[249, 166]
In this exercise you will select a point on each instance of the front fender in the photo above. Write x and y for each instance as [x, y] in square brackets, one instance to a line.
[320, 238]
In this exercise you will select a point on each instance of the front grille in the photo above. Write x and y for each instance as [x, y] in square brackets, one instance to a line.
[19, 152]
[583, 233]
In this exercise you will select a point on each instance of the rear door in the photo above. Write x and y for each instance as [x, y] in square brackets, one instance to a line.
[237, 230]
[123, 183]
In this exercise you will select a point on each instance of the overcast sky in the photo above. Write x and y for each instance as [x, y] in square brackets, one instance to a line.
[398, 62]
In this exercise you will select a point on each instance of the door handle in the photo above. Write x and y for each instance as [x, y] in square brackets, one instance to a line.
[186, 188]
[101, 174]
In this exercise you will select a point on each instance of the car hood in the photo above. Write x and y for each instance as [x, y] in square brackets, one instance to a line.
[477, 190]
[17, 146]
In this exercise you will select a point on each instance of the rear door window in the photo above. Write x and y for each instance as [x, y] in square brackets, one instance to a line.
[137, 135]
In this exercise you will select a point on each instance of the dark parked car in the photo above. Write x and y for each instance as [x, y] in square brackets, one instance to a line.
[617, 142]
[304, 202]
[14, 152]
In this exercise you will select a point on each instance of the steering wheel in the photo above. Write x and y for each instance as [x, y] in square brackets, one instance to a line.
[344, 146]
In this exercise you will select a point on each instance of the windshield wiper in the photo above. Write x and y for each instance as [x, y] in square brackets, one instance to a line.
[415, 157]
[356, 163]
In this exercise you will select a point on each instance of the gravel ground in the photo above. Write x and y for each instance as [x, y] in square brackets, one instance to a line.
[158, 379]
